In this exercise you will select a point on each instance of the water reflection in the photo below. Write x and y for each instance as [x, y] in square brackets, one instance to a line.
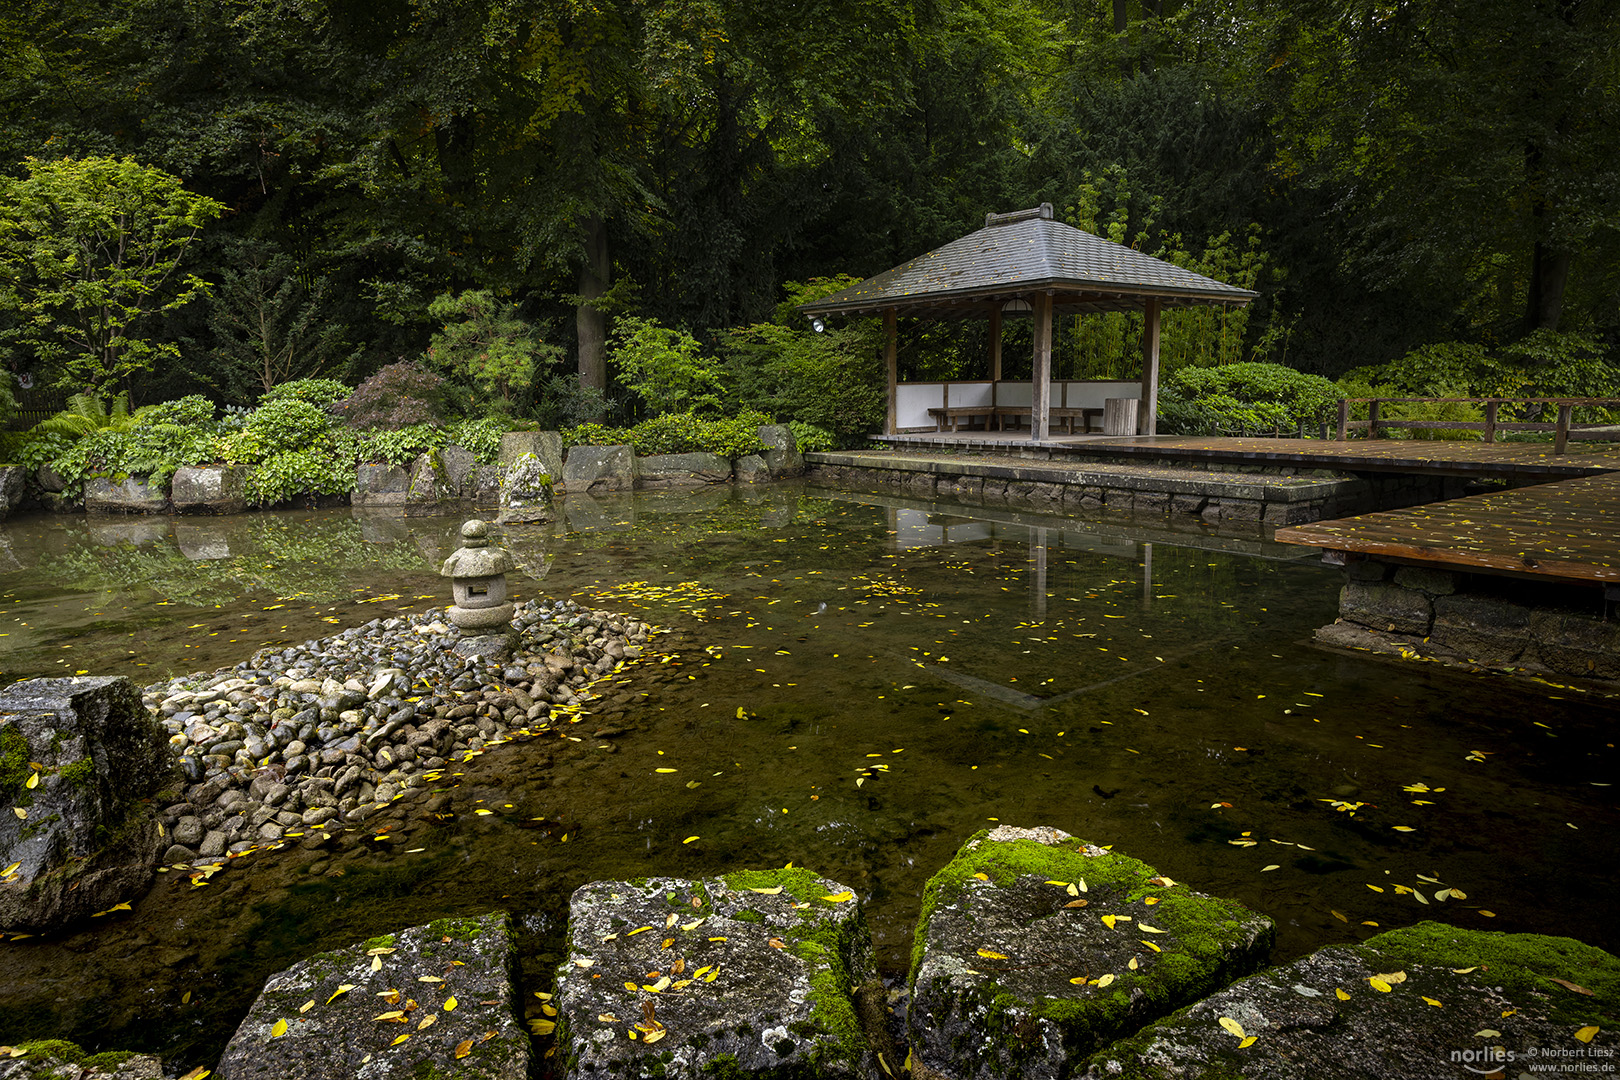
[854, 682]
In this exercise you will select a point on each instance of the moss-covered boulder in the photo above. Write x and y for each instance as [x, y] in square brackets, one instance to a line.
[435, 1001]
[56, 1059]
[1035, 949]
[759, 973]
[79, 758]
[1414, 1004]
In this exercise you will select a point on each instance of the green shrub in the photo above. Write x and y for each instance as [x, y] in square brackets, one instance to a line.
[317, 471]
[321, 392]
[1243, 398]
[666, 367]
[288, 424]
[399, 447]
[482, 437]
[809, 437]
[193, 410]
[677, 433]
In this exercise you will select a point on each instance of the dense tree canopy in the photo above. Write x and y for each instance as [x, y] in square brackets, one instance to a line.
[1391, 175]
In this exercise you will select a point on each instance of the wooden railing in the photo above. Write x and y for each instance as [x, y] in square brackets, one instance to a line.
[1563, 429]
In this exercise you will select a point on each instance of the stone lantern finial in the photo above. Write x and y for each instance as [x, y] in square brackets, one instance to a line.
[477, 574]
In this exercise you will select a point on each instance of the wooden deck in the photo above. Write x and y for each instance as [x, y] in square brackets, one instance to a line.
[1370, 455]
[1567, 531]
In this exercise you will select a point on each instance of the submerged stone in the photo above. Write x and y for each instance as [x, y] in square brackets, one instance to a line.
[758, 973]
[1422, 1002]
[1035, 949]
[436, 1000]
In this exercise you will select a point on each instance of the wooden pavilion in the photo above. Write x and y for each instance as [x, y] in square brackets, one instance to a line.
[1026, 262]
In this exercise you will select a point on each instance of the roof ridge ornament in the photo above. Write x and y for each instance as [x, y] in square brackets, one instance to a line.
[1043, 211]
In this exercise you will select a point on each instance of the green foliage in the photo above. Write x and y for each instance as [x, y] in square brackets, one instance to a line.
[320, 392]
[567, 402]
[482, 437]
[833, 380]
[272, 321]
[1243, 398]
[89, 255]
[400, 395]
[808, 437]
[193, 410]
[287, 424]
[399, 446]
[666, 367]
[317, 471]
[677, 433]
[484, 342]
[85, 413]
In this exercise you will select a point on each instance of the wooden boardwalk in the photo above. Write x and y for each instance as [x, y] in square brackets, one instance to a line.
[1368, 455]
[1567, 531]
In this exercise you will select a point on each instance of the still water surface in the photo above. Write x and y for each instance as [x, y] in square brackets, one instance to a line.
[853, 683]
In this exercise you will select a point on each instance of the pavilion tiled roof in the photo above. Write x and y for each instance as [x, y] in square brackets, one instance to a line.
[1021, 253]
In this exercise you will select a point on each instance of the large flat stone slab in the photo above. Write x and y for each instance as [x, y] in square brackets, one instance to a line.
[1035, 950]
[1423, 1002]
[431, 1001]
[756, 974]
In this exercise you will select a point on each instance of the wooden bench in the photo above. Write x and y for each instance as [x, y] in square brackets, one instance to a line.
[957, 413]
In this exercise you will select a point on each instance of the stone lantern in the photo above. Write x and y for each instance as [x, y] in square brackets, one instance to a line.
[477, 574]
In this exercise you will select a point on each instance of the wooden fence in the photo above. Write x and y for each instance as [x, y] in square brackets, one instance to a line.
[1563, 429]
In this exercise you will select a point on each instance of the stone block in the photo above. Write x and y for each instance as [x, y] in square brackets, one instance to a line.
[468, 480]
[756, 973]
[1485, 629]
[545, 445]
[202, 543]
[526, 492]
[682, 470]
[1426, 580]
[12, 485]
[459, 971]
[1573, 643]
[599, 468]
[380, 485]
[781, 454]
[208, 489]
[751, 469]
[83, 836]
[1035, 950]
[1417, 1003]
[428, 485]
[1366, 570]
[1386, 607]
[131, 495]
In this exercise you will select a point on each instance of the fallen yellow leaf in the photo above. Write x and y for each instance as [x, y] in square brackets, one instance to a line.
[1586, 1034]
[278, 1029]
[988, 955]
[464, 1048]
[339, 992]
[449, 1004]
[1340, 994]
[1232, 1026]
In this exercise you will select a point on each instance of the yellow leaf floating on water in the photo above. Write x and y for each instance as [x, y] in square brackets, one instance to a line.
[1248, 1041]
[839, 898]
[483, 811]
[1340, 994]
[1403, 828]
[1267, 869]
[988, 955]
[774, 890]
[339, 992]
[463, 1048]
[278, 1029]
[1232, 1027]
[689, 840]
[1339, 915]
[742, 713]
[449, 1004]
[664, 770]
[1586, 1034]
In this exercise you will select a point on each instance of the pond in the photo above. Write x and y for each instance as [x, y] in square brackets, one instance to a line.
[850, 682]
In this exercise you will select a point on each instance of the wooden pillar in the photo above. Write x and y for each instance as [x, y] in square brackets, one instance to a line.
[995, 343]
[1040, 409]
[1148, 414]
[891, 362]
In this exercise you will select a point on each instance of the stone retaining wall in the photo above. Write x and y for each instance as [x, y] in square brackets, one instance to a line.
[1476, 619]
[1253, 498]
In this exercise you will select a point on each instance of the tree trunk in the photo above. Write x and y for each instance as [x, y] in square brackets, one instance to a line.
[1549, 273]
[591, 324]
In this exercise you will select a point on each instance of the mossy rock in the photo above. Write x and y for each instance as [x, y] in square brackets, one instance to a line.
[431, 1001]
[1035, 949]
[1422, 1002]
[57, 1059]
[753, 974]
